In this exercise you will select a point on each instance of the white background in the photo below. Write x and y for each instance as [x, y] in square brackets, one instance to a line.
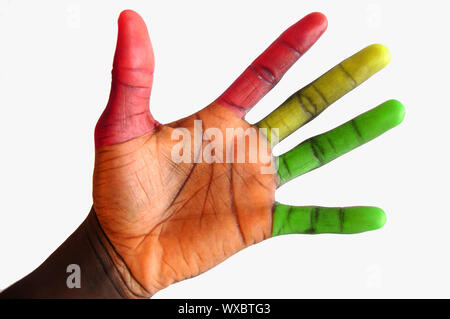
[55, 62]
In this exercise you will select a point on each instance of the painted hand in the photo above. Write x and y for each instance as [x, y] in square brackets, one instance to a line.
[170, 220]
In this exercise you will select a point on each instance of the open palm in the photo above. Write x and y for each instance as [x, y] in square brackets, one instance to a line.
[170, 220]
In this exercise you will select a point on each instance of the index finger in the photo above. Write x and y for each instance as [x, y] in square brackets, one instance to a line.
[264, 73]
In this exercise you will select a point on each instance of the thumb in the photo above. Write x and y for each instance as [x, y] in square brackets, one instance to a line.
[127, 114]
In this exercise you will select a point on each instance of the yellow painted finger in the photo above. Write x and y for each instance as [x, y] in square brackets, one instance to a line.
[311, 100]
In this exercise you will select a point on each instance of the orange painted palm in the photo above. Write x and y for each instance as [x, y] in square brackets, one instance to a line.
[173, 221]
[168, 221]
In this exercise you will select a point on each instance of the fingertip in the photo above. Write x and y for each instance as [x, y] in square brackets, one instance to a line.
[363, 218]
[132, 23]
[386, 116]
[380, 54]
[303, 34]
[365, 63]
[134, 48]
[319, 19]
[376, 216]
[397, 111]
[128, 14]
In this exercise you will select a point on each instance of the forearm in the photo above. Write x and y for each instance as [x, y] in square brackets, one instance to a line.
[102, 273]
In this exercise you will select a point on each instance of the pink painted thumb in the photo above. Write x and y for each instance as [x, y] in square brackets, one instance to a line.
[127, 113]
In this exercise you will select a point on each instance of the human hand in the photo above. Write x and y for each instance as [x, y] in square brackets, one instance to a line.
[169, 221]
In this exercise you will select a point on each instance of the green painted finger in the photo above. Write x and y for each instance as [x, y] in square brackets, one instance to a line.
[324, 148]
[311, 100]
[321, 220]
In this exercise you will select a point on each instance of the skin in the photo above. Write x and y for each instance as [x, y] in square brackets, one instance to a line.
[173, 221]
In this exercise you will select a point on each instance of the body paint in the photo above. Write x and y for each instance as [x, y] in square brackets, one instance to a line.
[310, 101]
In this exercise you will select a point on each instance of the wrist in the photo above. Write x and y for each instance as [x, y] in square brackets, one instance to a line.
[101, 271]
[115, 267]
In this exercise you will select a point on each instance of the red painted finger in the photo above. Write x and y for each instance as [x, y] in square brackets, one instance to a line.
[127, 113]
[264, 73]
